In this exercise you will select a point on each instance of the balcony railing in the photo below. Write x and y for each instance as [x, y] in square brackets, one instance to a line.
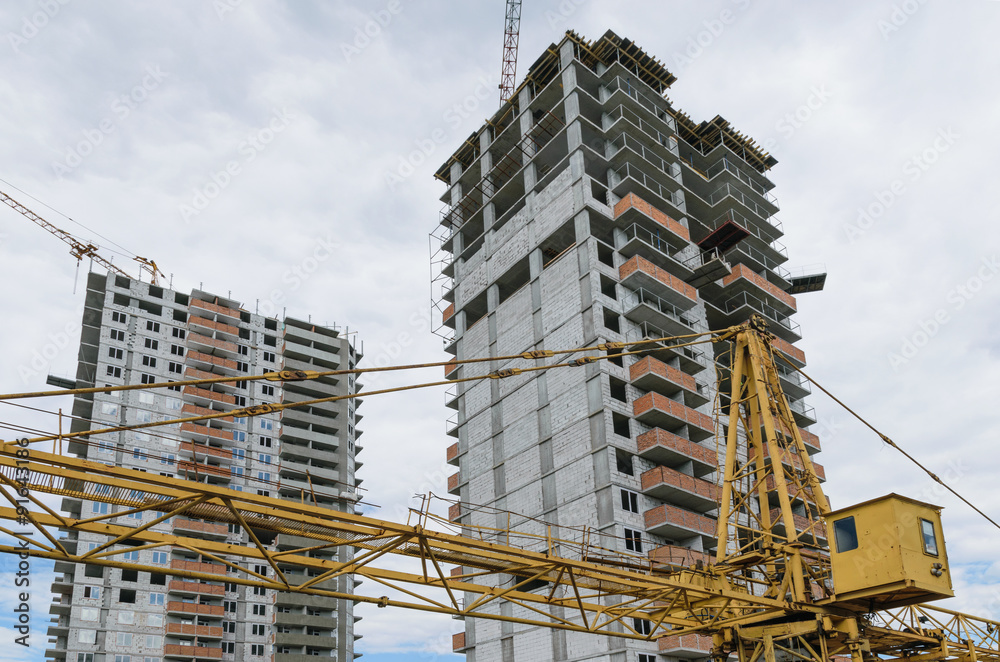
[727, 190]
[646, 330]
[631, 171]
[631, 299]
[725, 165]
[753, 228]
[625, 141]
[745, 299]
[622, 113]
[635, 91]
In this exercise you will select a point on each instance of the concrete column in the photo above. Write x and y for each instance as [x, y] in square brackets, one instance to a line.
[571, 105]
[566, 53]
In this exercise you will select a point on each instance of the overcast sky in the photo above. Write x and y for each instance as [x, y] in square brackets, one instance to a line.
[234, 141]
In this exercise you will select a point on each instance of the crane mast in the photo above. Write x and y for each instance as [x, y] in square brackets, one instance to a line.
[512, 30]
[776, 591]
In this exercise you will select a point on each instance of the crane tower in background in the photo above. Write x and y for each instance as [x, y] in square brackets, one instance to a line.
[512, 30]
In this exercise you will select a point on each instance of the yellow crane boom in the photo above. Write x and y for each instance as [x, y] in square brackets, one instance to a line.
[80, 249]
[776, 590]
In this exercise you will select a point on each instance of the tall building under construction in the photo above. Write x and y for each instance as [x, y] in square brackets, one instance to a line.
[137, 333]
[590, 210]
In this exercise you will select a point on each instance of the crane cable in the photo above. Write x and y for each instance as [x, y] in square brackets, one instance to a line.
[255, 410]
[885, 438]
[301, 375]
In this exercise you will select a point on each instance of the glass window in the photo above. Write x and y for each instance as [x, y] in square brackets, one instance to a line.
[88, 636]
[147, 398]
[929, 537]
[155, 620]
[846, 534]
[109, 408]
[89, 613]
[127, 617]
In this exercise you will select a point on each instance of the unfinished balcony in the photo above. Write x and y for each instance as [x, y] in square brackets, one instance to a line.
[639, 273]
[642, 306]
[651, 374]
[204, 397]
[218, 330]
[803, 525]
[659, 411]
[212, 346]
[676, 523]
[193, 609]
[676, 556]
[195, 432]
[195, 410]
[194, 589]
[190, 631]
[670, 450]
[452, 454]
[315, 440]
[792, 383]
[198, 529]
[632, 209]
[742, 306]
[201, 452]
[795, 355]
[195, 653]
[680, 489]
[686, 646]
[691, 360]
[811, 441]
[199, 471]
[211, 363]
[214, 311]
[743, 279]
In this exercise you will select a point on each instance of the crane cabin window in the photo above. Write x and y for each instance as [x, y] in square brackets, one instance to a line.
[929, 537]
[846, 534]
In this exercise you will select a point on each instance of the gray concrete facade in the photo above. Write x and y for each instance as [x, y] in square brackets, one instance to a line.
[135, 333]
[583, 213]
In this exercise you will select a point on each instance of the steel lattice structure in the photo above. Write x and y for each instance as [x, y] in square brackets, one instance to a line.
[768, 596]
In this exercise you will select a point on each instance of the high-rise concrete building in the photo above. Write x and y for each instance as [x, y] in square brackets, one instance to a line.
[589, 209]
[136, 333]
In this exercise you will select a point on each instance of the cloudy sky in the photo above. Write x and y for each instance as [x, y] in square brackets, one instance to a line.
[232, 141]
